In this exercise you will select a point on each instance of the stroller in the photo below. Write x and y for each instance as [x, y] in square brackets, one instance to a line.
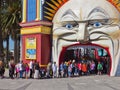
[42, 73]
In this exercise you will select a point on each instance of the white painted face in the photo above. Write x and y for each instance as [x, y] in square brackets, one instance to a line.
[83, 21]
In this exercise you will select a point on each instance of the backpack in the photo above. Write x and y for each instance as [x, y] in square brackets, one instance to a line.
[99, 67]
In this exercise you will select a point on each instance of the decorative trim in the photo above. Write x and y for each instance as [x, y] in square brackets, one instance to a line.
[52, 7]
[38, 10]
[36, 29]
[24, 11]
[115, 3]
[36, 23]
[41, 65]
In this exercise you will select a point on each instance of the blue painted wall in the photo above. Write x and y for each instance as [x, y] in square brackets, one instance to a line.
[31, 10]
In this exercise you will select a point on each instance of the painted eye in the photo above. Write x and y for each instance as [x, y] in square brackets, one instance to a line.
[97, 24]
[69, 26]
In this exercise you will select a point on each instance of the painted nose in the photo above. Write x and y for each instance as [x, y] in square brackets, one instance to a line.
[82, 33]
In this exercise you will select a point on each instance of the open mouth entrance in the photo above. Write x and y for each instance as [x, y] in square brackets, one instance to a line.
[87, 54]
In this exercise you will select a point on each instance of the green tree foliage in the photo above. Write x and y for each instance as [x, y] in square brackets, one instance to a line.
[10, 23]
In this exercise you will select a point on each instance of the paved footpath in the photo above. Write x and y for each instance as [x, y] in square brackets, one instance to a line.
[96, 82]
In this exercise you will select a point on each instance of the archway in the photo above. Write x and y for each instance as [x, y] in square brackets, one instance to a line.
[89, 51]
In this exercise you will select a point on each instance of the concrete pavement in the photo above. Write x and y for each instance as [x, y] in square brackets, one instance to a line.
[93, 82]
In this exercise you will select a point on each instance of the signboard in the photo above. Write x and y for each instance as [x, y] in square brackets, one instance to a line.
[30, 48]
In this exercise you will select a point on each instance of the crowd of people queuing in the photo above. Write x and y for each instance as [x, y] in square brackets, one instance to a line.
[83, 67]
[68, 68]
[24, 70]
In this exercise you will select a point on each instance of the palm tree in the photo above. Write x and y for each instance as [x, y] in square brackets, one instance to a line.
[1, 37]
[10, 23]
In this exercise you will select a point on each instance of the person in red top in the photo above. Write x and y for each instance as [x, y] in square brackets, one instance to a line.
[84, 68]
[79, 68]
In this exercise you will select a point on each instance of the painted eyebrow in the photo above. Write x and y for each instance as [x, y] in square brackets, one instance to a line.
[99, 9]
[69, 12]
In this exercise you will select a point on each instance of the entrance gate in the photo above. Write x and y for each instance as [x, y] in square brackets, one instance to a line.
[89, 52]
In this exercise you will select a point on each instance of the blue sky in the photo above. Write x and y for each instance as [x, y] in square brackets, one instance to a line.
[11, 44]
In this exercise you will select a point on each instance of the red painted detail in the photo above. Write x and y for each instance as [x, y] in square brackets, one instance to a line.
[107, 49]
[35, 23]
[45, 44]
[96, 55]
[42, 48]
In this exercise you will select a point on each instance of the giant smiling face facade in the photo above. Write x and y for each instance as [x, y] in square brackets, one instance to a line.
[87, 21]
